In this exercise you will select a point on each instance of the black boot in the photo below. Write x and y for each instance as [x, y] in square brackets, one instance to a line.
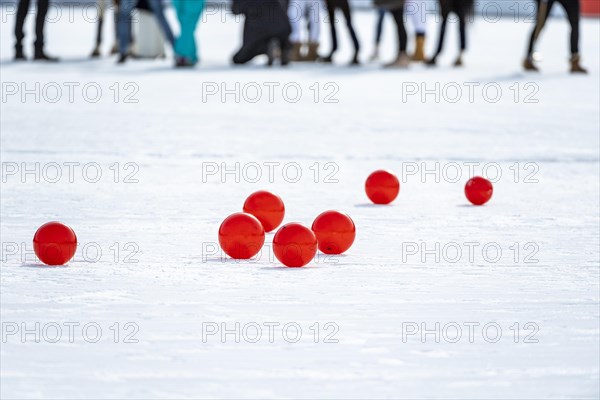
[41, 56]
[326, 59]
[122, 59]
[95, 52]
[19, 55]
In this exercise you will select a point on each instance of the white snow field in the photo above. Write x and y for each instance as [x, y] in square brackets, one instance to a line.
[436, 299]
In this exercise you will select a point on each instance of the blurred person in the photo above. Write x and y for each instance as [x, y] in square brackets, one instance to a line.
[102, 7]
[40, 21]
[300, 11]
[332, 6]
[572, 9]
[188, 14]
[463, 9]
[124, 25]
[415, 9]
[396, 8]
[266, 31]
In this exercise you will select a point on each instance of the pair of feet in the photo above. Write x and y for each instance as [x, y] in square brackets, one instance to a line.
[96, 52]
[39, 55]
[432, 62]
[576, 68]
[329, 59]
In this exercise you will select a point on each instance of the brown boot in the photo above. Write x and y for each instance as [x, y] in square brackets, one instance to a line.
[459, 61]
[296, 54]
[312, 54]
[576, 68]
[528, 65]
[419, 54]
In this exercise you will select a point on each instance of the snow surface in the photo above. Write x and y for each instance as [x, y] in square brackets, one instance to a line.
[374, 294]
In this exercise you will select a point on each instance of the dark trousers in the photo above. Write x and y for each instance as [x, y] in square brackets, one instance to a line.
[572, 9]
[456, 6]
[343, 5]
[40, 20]
[379, 26]
[398, 15]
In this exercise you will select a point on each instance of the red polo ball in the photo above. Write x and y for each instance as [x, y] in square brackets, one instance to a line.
[267, 207]
[335, 232]
[241, 236]
[479, 190]
[382, 187]
[54, 243]
[295, 245]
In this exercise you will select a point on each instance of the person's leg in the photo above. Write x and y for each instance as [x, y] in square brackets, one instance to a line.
[442, 34]
[345, 6]
[402, 59]
[188, 14]
[314, 20]
[22, 11]
[40, 22]
[417, 12]
[572, 9]
[418, 16]
[378, 33]
[543, 11]
[334, 41]
[101, 4]
[445, 12]
[461, 12]
[313, 15]
[124, 26]
[157, 8]
[295, 13]
[573, 14]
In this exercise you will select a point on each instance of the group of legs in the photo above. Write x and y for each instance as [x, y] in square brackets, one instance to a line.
[416, 10]
[544, 7]
[279, 38]
[184, 46]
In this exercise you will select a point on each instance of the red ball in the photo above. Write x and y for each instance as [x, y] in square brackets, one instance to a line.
[382, 187]
[54, 243]
[335, 232]
[295, 245]
[479, 190]
[241, 236]
[267, 207]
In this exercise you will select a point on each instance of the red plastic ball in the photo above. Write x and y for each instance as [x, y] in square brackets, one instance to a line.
[335, 232]
[295, 245]
[267, 207]
[479, 190]
[241, 236]
[382, 187]
[54, 243]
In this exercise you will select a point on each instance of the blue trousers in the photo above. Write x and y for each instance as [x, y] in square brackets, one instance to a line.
[188, 14]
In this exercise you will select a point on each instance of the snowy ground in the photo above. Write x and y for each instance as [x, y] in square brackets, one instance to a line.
[371, 305]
